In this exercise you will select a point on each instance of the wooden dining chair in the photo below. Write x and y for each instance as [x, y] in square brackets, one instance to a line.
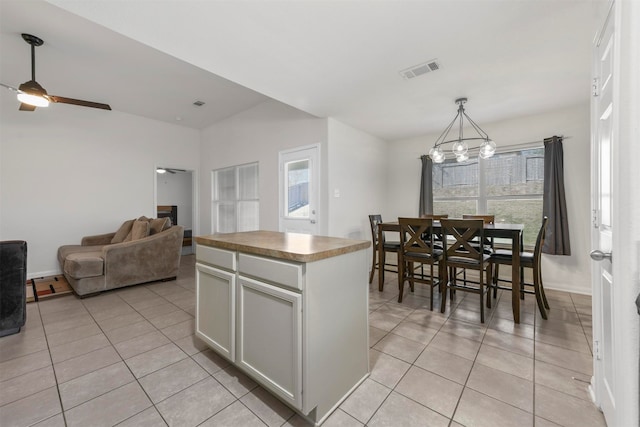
[437, 238]
[528, 260]
[461, 253]
[488, 242]
[380, 259]
[417, 247]
[486, 219]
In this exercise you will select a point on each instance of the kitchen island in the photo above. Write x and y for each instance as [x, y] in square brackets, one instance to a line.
[290, 310]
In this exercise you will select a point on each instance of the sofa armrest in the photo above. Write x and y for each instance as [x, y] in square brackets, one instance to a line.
[100, 239]
[151, 258]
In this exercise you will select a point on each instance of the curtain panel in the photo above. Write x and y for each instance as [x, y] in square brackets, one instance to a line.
[426, 187]
[554, 203]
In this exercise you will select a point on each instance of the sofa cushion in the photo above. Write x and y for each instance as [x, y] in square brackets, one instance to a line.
[123, 231]
[66, 250]
[84, 264]
[157, 225]
[140, 230]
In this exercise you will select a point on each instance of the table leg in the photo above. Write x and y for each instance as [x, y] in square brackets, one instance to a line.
[515, 277]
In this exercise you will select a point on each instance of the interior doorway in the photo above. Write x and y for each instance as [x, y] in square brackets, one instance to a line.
[175, 199]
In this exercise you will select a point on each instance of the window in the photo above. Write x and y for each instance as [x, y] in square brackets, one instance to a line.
[235, 202]
[297, 194]
[508, 185]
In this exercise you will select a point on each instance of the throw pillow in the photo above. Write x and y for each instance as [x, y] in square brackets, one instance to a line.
[144, 218]
[157, 225]
[123, 231]
[139, 230]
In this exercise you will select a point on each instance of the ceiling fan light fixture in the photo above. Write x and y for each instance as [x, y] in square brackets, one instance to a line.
[33, 94]
[161, 170]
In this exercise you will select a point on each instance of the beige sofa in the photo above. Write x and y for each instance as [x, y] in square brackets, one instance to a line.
[142, 250]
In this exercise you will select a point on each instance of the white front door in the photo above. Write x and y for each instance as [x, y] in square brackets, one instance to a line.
[299, 189]
[615, 204]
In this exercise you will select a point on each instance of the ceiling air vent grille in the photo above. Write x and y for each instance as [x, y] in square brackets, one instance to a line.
[198, 103]
[420, 69]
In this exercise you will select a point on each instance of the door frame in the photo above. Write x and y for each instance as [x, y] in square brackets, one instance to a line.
[316, 180]
[625, 211]
[195, 202]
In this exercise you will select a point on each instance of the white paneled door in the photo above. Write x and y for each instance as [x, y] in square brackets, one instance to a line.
[299, 189]
[615, 210]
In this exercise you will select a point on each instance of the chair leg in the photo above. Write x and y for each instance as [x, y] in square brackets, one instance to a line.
[381, 263]
[536, 288]
[452, 274]
[431, 287]
[412, 272]
[522, 283]
[443, 290]
[495, 280]
[401, 279]
[373, 265]
[489, 284]
[481, 285]
[544, 296]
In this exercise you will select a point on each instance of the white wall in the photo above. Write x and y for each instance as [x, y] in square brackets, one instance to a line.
[571, 273]
[358, 171]
[257, 135]
[67, 172]
[176, 189]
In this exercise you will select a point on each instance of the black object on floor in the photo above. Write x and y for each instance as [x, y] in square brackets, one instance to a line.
[13, 276]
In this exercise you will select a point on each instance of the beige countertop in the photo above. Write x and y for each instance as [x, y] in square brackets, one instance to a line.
[288, 246]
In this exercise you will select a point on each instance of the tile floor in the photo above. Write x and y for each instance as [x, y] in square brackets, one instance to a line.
[129, 358]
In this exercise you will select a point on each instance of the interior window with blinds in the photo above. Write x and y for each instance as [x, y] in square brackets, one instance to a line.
[508, 185]
[235, 202]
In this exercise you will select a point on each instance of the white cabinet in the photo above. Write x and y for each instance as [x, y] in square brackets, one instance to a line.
[270, 337]
[299, 328]
[216, 308]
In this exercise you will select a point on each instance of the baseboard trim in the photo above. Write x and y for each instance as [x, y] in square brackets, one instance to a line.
[37, 274]
[558, 286]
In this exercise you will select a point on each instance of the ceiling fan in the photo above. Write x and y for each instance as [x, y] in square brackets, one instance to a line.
[170, 170]
[32, 95]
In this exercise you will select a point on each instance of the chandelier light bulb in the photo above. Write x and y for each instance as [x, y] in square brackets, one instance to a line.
[459, 148]
[462, 158]
[436, 155]
[488, 146]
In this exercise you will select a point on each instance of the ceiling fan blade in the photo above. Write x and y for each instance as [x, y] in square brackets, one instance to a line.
[26, 107]
[63, 100]
[9, 87]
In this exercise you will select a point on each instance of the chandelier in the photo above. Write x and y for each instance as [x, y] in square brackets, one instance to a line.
[460, 148]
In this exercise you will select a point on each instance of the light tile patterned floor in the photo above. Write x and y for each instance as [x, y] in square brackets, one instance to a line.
[129, 358]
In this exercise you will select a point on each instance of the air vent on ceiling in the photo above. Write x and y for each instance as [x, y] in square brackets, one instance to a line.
[420, 69]
[198, 103]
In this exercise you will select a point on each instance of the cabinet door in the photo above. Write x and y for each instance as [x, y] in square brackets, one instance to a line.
[270, 337]
[215, 309]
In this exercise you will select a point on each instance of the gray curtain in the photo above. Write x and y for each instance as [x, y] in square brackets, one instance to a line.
[426, 189]
[554, 204]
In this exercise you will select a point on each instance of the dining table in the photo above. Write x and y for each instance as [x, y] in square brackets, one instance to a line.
[511, 232]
